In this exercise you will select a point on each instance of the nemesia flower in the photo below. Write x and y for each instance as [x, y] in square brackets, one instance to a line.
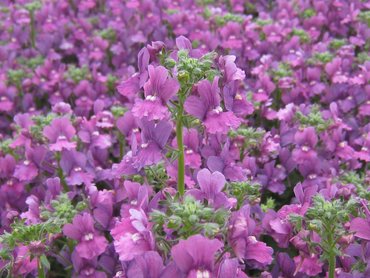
[148, 263]
[132, 236]
[211, 185]
[207, 108]
[154, 139]
[112, 112]
[158, 90]
[59, 134]
[194, 257]
[90, 243]
[244, 243]
[86, 268]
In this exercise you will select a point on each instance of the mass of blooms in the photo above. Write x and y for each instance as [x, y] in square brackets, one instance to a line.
[188, 138]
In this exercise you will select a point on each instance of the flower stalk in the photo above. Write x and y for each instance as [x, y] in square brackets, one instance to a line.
[40, 269]
[33, 30]
[180, 146]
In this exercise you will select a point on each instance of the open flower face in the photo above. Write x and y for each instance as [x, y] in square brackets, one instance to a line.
[190, 139]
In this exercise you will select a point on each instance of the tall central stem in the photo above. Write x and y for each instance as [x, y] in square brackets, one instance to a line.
[33, 29]
[180, 146]
[332, 256]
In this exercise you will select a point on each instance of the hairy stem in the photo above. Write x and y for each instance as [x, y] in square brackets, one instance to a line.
[40, 270]
[330, 249]
[181, 158]
[60, 173]
[33, 30]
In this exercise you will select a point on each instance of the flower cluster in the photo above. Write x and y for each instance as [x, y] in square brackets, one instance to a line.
[197, 138]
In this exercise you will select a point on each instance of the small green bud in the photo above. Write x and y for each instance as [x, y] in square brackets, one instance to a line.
[174, 222]
[312, 227]
[169, 63]
[308, 13]
[81, 206]
[183, 77]
[118, 111]
[33, 6]
[211, 229]
[193, 219]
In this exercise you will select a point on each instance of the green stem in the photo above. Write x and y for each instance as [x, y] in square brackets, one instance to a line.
[40, 270]
[332, 261]
[121, 140]
[61, 174]
[33, 30]
[181, 158]
[332, 257]
[73, 6]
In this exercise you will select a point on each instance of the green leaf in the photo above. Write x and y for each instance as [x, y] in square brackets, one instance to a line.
[44, 261]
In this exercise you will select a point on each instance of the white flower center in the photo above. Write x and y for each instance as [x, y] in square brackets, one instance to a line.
[151, 98]
[135, 237]
[203, 274]
[26, 162]
[305, 148]
[217, 110]
[62, 138]
[238, 97]
[89, 236]
[252, 239]
[342, 144]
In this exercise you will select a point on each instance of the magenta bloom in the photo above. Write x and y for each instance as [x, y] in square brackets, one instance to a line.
[195, 257]
[158, 90]
[211, 185]
[361, 226]
[149, 264]
[207, 108]
[90, 243]
[86, 268]
[153, 141]
[306, 141]
[60, 134]
[132, 236]
[244, 243]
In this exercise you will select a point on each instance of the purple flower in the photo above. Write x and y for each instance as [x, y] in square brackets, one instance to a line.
[244, 243]
[135, 196]
[149, 264]
[90, 243]
[306, 141]
[60, 133]
[32, 216]
[361, 226]
[231, 268]
[194, 257]
[74, 165]
[158, 90]
[225, 163]
[207, 108]
[311, 266]
[154, 137]
[92, 137]
[132, 236]
[86, 268]
[211, 185]
[272, 177]
[230, 70]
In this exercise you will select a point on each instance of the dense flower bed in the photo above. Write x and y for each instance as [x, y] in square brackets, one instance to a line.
[189, 138]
